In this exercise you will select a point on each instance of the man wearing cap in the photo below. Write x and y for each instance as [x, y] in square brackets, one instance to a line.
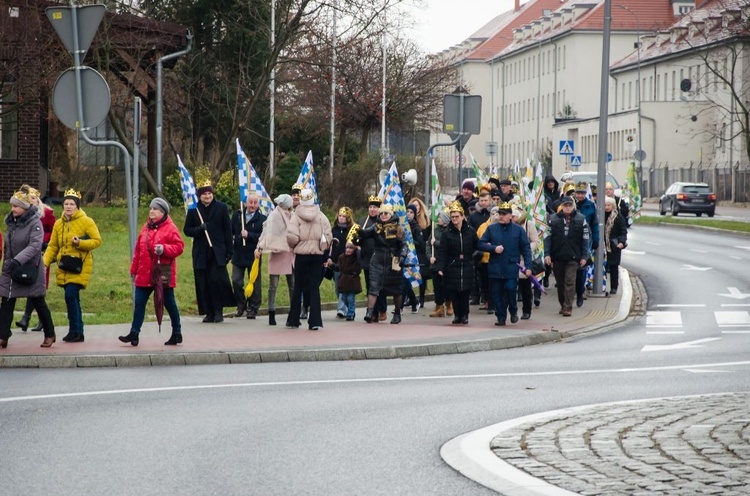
[466, 197]
[247, 227]
[587, 208]
[506, 193]
[367, 248]
[506, 242]
[209, 226]
[566, 250]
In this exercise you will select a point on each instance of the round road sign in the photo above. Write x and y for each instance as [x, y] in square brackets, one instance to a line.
[94, 94]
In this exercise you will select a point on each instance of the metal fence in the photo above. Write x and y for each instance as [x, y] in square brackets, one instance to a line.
[729, 184]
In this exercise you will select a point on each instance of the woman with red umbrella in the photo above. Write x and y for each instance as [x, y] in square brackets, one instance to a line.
[154, 270]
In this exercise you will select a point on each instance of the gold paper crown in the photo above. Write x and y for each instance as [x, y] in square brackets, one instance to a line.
[297, 187]
[505, 206]
[346, 211]
[386, 208]
[455, 206]
[306, 194]
[30, 190]
[72, 192]
[494, 176]
[204, 184]
[486, 187]
[20, 195]
[567, 188]
[375, 199]
[582, 186]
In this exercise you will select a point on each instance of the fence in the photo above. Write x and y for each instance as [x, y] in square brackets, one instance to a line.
[720, 180]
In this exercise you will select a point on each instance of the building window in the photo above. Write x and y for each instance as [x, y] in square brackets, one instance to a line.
[8, 124]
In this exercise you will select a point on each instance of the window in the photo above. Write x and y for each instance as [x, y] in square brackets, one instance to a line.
[8, 124]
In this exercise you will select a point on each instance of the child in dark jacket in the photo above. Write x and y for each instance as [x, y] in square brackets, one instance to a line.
[349, 283]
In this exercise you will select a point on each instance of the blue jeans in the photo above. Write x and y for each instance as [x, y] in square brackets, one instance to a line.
[73, 304]
[139, 309]
[341, 304]
[350, 300]
[504, 294]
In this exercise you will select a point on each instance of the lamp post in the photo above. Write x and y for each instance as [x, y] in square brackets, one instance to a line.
[637, 46]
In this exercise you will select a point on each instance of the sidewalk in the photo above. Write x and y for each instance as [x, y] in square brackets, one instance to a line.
[239, 340]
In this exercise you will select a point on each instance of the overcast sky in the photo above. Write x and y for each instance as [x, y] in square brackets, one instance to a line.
[440, 24]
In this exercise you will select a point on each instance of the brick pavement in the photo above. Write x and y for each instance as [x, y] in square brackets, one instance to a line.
[664, 447]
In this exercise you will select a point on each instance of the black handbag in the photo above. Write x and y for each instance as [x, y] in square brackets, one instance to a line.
[69, 263]
[26, 274]
[537, 265]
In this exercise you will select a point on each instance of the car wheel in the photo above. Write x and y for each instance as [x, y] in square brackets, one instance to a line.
[661, 209]
[710, 214]
[698, 214]
[675, 211]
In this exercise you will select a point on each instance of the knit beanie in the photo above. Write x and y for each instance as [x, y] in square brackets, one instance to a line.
[20, 199]
[284, 201]
[161, 204]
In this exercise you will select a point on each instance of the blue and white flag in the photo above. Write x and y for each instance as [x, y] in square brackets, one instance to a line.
[392, 195]
[307, 176]
[189, 197]
[249, 182]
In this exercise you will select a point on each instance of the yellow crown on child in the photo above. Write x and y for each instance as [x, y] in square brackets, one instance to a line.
[346, 211]
[72, 192]
[455, 206]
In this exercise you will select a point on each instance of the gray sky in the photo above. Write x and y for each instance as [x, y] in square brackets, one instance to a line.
[440, 24]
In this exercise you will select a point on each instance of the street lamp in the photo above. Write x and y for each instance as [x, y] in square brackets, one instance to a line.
[637, 46]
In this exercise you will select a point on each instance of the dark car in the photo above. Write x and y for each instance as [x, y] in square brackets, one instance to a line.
[691, 198]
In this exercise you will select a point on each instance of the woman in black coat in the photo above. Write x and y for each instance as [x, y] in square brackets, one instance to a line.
[615, 239]
[455, 262]
[386, 262]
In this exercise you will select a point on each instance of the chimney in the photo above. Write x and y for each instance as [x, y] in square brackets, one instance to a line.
[517, 6]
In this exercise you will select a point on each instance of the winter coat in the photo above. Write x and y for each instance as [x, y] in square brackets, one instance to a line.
[367, 245]
[389, 241]
[23, 243]
[587, 208]
[615, 232]
[339, 233]
[530, 227]
[61, 243]
[467, 205]
[479, 217]
[244, 254]
[349, 280]
[552, 196]
[273, 237]
[163, 233]
[419, 243]
[515, 243]
[48, 223]
[219, 229]
[455, 257]
[307, 228]
[571, 246]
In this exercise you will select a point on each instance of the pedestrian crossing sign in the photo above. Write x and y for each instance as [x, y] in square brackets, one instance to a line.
[566, 147]
[575, 160]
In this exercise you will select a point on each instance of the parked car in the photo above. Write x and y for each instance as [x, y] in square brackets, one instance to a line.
[588, 177]
[691, 198]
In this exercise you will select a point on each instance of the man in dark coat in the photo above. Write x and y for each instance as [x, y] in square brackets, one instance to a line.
[209, 226]
[506, 242]
[247, 227]
[506, 192]
[587, 208]
[566, 250]
[480, 216]
[466, 197]
[551, 194]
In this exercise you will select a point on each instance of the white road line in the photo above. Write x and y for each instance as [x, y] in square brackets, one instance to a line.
[659, 244]
[736, 258]
[735, 332]
[547, 373]
[663, 319]
[699, 251]
[735, 304]
[732, 319]
[681, 305]
[665, 332]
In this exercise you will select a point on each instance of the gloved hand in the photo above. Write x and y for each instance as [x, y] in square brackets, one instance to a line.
[159, 249]
[204, 226]
[13, 265]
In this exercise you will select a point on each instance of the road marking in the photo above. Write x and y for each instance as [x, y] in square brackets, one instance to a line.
[698, 343]
[683, 305]
[634, 252]
[732, 319]
[699, 251]
[735, 294]
[743, 247]
[736, 258]
[665, 332]
[659, 244]
[706, 371]
[695, 267]
[546, 373]
[735, 332]
[663, 319]
[735, 304]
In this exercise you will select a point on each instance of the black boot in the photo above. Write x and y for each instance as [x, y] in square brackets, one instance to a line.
[368, 315]
[272, 317]
[131, 338]
[396, 318]
[23, 324]
[176, 338]
[38, 327]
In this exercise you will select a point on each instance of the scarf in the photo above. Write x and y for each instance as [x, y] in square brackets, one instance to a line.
[608, 223]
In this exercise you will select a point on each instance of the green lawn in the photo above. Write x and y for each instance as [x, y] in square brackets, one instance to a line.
[728, 225]
[107, 300]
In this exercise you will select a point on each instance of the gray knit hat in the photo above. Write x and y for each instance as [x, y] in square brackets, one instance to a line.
[161, 204]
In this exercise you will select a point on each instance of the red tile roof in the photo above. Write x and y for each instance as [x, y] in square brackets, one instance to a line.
[647, 15]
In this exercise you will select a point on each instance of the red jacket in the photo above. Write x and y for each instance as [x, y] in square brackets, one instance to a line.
[48, 223]
[164, 233]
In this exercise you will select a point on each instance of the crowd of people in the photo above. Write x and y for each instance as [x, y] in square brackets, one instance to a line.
[483, 250]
